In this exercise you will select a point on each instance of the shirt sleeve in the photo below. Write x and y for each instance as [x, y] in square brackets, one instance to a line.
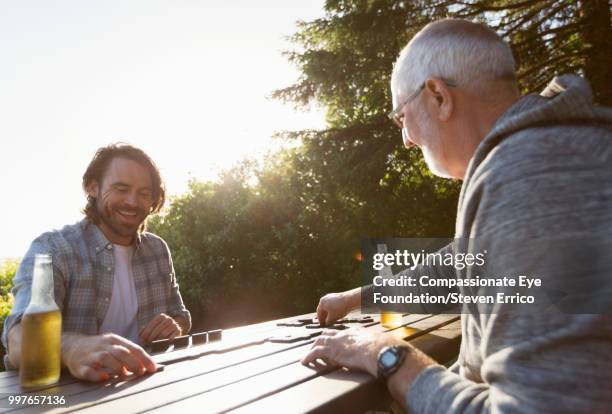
[563, 367]
[176, 307]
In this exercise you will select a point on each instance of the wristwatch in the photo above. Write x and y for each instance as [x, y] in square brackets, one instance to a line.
[390, 358]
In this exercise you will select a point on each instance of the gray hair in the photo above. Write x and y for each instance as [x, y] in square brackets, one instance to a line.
[468, 53]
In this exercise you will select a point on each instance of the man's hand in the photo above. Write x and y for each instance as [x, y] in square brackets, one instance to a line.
[160, 327]
[334, 306]
[353, 348]
[358, 349]
[97, 358]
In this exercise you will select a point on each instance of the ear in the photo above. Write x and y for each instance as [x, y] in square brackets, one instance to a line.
[440, 97]
[93, 189]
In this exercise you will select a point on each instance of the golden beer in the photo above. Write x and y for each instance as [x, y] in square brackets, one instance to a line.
[390, 319]
[41, 330]
[40, 348]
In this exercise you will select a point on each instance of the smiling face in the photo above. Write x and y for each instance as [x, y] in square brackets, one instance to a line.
[123, 199]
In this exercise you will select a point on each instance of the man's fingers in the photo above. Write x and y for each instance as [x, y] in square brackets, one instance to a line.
[157, 332]
[170, 332]
[146, 333]
[139, 353]
[173, 334]
[106, 360]
[321, 340]
[129, 360]
[151, 327]
[91, 374]
[331, 317]
[325, 338]
[321, 313]
[317, 352]
[146, 360]
[101, 357]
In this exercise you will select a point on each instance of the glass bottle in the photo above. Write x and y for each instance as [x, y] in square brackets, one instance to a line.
[388, 319]
[41, 330]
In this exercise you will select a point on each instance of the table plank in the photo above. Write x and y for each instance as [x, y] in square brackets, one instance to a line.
[322, 391]
[9, 380]
[11, 385]
[204, 383]
[267, 383]
[82, 395]
[8, 374]
[343, 391]
[240, 378]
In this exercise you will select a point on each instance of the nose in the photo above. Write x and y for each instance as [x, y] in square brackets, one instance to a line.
[131, 200]
[406, 139]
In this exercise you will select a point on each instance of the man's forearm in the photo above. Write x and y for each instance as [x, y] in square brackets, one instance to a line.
[70, 341]
[354, 298]
[14, 345]
[399, 383]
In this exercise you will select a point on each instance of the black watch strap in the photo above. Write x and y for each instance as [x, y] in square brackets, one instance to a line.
[390, 358]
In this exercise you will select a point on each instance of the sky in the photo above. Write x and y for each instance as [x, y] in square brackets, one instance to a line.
[188, 81]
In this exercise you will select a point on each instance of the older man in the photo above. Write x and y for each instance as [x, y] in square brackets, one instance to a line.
[533, 168]
[114, 282]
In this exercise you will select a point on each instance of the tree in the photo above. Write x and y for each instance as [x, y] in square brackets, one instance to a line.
[346, 59]
[268, 240]
[551, 37]
[256, 244]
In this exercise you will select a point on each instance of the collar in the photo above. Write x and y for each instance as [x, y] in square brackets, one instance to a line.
[100, 242]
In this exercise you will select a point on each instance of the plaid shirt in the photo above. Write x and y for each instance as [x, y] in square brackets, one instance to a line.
[83, 272]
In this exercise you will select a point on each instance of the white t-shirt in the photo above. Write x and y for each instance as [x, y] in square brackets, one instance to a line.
[121, 317]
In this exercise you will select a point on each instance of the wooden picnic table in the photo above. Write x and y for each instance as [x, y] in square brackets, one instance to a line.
[253, 369]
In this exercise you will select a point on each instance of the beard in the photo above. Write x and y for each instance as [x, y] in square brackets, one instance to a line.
[432, 149]
[110, 217]
[431, 156]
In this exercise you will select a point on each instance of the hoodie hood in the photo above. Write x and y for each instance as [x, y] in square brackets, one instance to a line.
[567, 100]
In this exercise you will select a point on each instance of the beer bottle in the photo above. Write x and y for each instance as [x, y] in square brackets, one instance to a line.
[41, 330]
[388, 318]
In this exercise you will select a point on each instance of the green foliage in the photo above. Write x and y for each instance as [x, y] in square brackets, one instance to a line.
[256, 244]
[346, 60]
[7, 272]
[268, 240]
[550, 37]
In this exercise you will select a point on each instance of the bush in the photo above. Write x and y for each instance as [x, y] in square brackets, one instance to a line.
[267, 241]
[7, 272]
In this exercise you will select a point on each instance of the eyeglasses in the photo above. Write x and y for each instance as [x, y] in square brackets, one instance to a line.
[397, 116]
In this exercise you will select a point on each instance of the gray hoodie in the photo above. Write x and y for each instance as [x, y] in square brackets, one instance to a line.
[544, 171]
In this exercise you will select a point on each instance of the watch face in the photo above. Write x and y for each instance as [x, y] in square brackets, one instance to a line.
[388, 358]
